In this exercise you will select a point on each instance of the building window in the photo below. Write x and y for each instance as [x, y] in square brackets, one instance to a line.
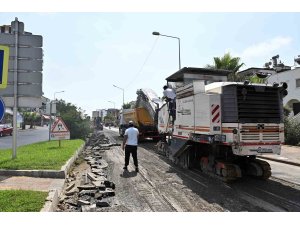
[298, 83]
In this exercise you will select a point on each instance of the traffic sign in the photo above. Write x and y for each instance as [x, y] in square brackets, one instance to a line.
[59, 131]
[2, 109]
[4, 57]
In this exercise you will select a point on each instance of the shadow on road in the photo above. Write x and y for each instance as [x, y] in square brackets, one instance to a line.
[127, 174]
[246, 194]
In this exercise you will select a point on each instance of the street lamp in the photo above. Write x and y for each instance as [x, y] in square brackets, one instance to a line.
[123, 93]
[158, 34]
[57, 93]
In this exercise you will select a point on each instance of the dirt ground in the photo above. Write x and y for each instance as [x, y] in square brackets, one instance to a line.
[162, 186]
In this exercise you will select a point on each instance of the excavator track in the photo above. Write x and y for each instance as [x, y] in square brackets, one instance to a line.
[228, 172]
[225, 171]
[259, 169]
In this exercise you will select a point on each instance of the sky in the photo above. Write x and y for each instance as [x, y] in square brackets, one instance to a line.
[86, 53]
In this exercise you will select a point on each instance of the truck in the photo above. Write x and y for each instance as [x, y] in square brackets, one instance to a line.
[144, 114]
[221, 127]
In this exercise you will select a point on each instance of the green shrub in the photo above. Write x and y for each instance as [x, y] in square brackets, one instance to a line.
[292, 132]
[77, 123]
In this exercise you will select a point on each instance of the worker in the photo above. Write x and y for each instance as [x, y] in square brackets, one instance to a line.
[170, 96]
[130, 144]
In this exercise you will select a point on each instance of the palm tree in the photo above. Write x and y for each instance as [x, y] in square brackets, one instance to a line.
[227, 62]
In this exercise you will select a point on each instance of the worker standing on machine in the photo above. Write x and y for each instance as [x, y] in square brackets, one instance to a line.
[170, 96]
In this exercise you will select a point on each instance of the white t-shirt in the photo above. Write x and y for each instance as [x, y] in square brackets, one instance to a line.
[169, 93]
[132, 134]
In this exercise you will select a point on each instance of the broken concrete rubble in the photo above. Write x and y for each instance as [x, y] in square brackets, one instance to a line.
[88, 189]
[82, 202]
[87, 192]
[102, 204]
[70, 186]
[71, 192]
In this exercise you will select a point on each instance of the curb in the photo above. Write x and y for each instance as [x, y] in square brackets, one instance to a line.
[51, 201]
[53, 196]
[280, 160]
[66, 168]
[60, 174]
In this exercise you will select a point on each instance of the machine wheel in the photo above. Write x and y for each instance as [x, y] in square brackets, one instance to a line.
[259, 169]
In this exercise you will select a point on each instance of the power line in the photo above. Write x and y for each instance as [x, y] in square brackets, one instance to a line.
[142, 67]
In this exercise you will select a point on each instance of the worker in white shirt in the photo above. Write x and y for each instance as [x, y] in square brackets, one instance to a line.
[130, 144]
[170, 96]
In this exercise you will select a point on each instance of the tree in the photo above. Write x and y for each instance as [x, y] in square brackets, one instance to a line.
[256, 79]
[126, 106]
[29, 118]
[78, 125]
[227, 62]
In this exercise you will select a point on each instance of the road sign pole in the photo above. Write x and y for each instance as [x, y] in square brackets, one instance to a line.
[50, 119]
[15, 108]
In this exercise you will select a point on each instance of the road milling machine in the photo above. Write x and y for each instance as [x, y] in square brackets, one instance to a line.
[222, 126]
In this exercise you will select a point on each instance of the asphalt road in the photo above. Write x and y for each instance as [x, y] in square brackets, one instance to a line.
[286, 172]
[279, 170]
[25, 137]
[163, 186]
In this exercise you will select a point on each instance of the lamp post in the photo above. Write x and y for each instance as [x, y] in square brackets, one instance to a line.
[123, 93]
[158, 34]
[51, 102]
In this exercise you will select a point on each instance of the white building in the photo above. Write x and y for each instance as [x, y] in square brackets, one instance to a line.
[279, 73]
[292, 78]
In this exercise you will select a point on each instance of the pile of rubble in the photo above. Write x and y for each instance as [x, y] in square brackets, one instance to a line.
[89, 190]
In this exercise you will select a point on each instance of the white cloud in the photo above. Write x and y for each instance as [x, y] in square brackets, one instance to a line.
[266, 48]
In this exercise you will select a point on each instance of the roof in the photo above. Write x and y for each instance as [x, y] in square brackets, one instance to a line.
[179, 75]
[214, 85]
[252, 70]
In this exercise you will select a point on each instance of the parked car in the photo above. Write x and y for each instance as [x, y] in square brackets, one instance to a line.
[5, 130]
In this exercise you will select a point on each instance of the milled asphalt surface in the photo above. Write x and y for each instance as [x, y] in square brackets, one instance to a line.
[289, 154]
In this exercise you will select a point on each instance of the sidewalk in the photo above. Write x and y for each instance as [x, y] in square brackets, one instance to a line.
[30, 183]
[54, 186]
[289, 154]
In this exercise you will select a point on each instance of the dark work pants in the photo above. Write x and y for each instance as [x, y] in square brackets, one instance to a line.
[172, 107]
[131, 149]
